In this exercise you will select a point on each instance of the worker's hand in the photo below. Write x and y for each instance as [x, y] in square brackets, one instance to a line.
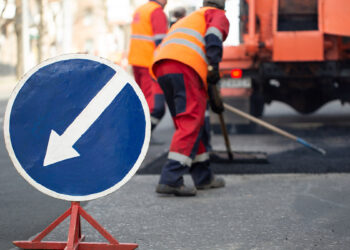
[215, 101]
[213, 76]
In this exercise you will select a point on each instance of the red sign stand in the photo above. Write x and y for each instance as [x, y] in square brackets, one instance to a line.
[75, 239]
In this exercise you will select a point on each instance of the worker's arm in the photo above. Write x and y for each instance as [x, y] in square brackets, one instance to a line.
[159, 25]
[216, 32]
[215, 100]
[217, 28]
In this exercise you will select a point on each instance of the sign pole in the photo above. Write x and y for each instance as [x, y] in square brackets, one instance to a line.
[75, 239]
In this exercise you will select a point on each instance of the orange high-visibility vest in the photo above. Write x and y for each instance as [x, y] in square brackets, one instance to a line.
[142, 42]
[185, 43]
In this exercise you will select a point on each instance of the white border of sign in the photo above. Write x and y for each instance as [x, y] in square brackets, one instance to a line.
[123, 77]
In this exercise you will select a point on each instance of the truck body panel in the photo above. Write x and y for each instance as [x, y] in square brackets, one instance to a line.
[336, 17]
[305, 45]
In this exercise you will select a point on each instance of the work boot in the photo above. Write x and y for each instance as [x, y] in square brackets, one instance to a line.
[216, 182]
[177, 191]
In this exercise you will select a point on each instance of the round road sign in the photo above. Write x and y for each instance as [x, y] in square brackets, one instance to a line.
[77, 127]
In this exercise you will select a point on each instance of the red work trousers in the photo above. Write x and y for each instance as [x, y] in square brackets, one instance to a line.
[152, 92]
[187, 101]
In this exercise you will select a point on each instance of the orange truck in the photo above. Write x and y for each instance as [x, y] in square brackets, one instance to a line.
[293, 51]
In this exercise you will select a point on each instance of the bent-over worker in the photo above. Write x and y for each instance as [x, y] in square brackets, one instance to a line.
[181, 62]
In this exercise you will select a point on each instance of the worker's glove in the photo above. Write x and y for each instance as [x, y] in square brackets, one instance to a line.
[213, 76]
[215, 101]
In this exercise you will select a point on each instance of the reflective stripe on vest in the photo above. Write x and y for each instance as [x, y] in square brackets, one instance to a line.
[159, 36]
[148, 38]
[189, 44]
[190, 32]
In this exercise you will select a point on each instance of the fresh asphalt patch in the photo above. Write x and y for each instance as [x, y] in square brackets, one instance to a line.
[298, 160]
[218, 158]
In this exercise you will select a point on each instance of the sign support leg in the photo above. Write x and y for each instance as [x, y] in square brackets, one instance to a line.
[75, 239]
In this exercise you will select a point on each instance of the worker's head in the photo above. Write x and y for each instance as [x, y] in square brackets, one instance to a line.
[220, 4]
[176, 14]
[179, 12]
[162, 2]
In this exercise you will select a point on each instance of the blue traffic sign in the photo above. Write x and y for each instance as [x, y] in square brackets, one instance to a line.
[77, 127]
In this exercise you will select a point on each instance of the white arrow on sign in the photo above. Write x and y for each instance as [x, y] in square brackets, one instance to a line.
[60, 147]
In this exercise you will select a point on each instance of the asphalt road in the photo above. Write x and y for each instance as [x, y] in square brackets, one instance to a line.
[259, 209]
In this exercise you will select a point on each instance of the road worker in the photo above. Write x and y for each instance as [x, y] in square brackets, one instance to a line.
[184, 63]
[175, 15]
[148, 28]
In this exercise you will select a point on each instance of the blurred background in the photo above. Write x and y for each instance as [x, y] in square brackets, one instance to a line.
[34, 30]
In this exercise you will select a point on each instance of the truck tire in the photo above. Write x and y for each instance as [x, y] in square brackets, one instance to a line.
[257, 105]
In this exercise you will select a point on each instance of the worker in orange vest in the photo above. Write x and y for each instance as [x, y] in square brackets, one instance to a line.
[149, 27]
[184, 63]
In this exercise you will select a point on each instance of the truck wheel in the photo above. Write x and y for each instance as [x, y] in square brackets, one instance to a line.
[256, 105]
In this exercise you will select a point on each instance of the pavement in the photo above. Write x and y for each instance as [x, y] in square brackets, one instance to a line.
[252, 212]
